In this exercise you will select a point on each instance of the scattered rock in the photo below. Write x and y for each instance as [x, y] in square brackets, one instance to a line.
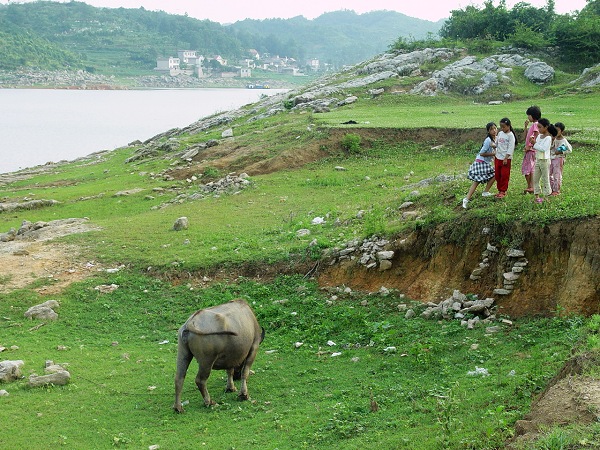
[59, 378]
[181, 224]
[44, 311]
[106, 288]
[10, 370]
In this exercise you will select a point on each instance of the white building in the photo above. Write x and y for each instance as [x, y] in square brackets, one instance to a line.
[186, 55]
[167, 64]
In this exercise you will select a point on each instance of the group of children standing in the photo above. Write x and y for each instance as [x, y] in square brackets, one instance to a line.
[545, 150]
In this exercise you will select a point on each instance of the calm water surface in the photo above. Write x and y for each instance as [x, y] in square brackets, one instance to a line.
[42, 125]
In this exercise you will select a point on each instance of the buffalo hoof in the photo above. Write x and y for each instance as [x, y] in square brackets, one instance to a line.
[233, 389]
[178, 409]
[243, 397]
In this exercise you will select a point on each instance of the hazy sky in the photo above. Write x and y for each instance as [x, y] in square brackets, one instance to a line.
[225, 11]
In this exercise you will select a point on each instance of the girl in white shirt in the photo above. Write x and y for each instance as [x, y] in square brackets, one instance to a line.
[505, 147]
[541, 171]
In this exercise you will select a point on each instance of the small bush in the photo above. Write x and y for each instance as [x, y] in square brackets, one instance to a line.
[351, 143]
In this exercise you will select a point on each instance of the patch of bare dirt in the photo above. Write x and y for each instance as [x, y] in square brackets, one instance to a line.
[570, 398]
[36, 258]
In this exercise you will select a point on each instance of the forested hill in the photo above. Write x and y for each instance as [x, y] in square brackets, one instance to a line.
[341, 37]
[47, 34]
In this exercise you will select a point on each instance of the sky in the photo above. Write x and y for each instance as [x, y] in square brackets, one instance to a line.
[228, 11]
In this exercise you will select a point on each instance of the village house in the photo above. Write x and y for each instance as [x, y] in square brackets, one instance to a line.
[169, 64]
[254, 54]
[186, 55]
[314, 64]
[188, 62]
[220, 60]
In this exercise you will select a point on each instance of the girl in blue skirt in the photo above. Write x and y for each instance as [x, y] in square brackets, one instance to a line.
[482, 170]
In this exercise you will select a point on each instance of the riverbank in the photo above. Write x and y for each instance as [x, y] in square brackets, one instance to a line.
[64, 79]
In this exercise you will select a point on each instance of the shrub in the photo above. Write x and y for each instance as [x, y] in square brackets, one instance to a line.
[351, 143]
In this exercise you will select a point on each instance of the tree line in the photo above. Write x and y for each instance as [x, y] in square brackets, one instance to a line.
[576, 36]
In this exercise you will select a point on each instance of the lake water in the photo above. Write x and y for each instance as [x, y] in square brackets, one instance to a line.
[42, 125]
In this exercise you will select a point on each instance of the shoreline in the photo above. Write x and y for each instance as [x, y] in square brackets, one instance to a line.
[81, 80]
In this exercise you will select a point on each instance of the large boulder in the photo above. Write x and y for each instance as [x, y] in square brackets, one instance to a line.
[539, 72]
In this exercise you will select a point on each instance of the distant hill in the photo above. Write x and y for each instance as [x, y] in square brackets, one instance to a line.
[341, 37]
[77, 35]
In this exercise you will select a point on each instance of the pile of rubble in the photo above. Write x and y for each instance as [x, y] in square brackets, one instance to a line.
[230, 184]
[469, 310]
[371, 253]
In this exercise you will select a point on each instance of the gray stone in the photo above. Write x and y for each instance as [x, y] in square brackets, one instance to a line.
[514, 253]
[492, 248]
[10, 370]
[539, 72]
[59, 378]
[385, 255]
[41, 312]
[501, 292]
[181, 223]
[385, 265]
[510, 276]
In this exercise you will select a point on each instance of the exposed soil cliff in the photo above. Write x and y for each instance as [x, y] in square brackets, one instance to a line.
[562, 271]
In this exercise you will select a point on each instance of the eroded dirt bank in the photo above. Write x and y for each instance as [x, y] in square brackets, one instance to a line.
[562, 270]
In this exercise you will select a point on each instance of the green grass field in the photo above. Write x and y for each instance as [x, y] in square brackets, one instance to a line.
[120, 347]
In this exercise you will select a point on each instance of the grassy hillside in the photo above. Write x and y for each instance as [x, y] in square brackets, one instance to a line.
[339, 367]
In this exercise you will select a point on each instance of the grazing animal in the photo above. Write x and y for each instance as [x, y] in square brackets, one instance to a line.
[224, 337]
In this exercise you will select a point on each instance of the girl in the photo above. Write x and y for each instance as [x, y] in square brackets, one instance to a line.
[505, 147]
[533, 115]
[557, 158]
[482, 170]
[541, 144]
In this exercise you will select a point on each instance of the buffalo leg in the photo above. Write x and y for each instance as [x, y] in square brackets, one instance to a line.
[184, 357]
[203, 374]
[230, 386]
[243, 395]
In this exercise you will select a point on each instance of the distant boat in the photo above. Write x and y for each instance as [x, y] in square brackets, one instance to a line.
[257, 86]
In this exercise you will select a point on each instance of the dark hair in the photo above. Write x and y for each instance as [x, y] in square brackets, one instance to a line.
[488, 127]
[534, 111]
[506, 121]
[544, 122]
[560, 126]
[551, 128]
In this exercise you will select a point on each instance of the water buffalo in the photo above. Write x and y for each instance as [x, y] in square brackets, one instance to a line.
[224, 337]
